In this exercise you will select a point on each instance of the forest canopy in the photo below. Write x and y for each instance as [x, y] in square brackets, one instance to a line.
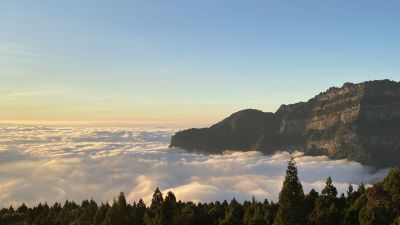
[375, 205]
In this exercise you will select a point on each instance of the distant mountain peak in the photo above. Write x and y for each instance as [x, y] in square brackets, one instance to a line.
[359, 122]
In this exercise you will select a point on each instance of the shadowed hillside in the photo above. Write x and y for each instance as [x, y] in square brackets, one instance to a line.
[359, 122]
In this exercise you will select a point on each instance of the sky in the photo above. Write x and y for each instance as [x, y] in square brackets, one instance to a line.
[185, 61]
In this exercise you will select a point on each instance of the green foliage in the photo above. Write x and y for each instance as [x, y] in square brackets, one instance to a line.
[291, 199]
[397, 221]
[356, 201]
[391, 184]
[169, 209]
[309, 202]
[329, 190]
[101, 213]
[378, 209]
[255, 213]
[87, 212]
[118, 213]
[187, 215]
[327, 210]
[138, 212]
[233, 214]
[161, 212]
[376, 205]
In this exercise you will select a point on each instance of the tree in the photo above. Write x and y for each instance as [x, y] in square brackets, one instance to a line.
[291, 199]
[118, 213]
[352, 213]
[269, 210]
[329, 190]
[309, 201]
[216, 213]
[139, 212]
[391, 185]
[397, 221]
[169, 210]
[351, 195]
[101, 213]
[233, 215]
[378, 209]
[253, 213]
[87, 212]
[327, 210]
[157, 199]
[153, 215]
[376, 205]
[187, 215]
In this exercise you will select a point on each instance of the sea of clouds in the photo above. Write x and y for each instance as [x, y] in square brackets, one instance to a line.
[48, 164]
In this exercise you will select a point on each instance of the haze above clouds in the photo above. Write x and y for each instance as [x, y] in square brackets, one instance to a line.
[39, 164]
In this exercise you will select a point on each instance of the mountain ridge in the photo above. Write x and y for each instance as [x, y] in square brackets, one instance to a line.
[360, 122]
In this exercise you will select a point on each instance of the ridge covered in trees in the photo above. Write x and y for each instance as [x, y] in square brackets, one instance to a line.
[375, 205]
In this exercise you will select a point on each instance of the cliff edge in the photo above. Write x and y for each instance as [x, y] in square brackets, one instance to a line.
[359, 122]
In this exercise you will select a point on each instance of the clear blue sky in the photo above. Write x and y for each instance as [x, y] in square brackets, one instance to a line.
[185, 60]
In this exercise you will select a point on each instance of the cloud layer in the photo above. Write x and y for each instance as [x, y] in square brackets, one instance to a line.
[39, 164]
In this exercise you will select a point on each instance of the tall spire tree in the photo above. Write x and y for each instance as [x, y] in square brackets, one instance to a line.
[327, 210]
[291, 199]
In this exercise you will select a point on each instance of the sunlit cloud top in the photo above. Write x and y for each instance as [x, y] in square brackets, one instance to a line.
[58, 163]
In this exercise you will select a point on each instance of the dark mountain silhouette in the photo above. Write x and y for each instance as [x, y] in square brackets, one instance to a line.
[359, 122]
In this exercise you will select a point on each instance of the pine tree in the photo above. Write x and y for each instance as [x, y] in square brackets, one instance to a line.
[391, 184]
[329, 190]
[139, 211]
[118, 213]
[378, 209]
[101, 213]
[234, 214]
[291, 199]
[326, 211]
[187, 215]
[87, 212]
[309, 201]
[216, 212]
[397, 221]
[169, 210]
[153, 215]
[253, 214]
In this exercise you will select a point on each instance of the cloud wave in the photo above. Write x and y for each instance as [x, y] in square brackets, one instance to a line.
[39, 164]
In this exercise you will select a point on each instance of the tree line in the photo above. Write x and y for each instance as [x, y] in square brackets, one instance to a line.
[375, 205]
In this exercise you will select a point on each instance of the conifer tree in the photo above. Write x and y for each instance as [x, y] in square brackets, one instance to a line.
[118, 213]
[378, 209]
[153, 215]
[187, 215]
[309, 201]
[87, 212]
[217, 212]
[253, 214]
[351, 195]
[329, 191]
[291, 199]
[169, 210]
[397, 221]
[391, 184]
[101, 213]
[139, 212]
[326, 211]
[234, 214]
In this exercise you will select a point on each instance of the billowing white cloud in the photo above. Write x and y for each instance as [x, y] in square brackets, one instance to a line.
[39, 164]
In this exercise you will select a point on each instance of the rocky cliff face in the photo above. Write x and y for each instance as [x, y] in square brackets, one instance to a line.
[357, 121]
